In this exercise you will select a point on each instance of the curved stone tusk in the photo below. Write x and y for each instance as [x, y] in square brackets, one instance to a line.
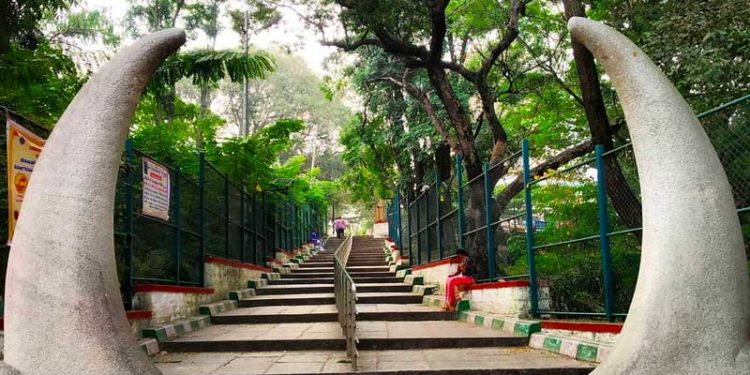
[691, 306]
[63, 306]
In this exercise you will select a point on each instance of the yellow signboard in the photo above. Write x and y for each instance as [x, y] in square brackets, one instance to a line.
[23, 148]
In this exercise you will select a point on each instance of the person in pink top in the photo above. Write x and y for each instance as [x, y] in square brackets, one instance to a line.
[339, 225]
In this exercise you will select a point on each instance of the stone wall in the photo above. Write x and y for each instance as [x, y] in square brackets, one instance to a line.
[169, 303]
[224, 275]
[380, 230]
[436, 273]
[508, 298]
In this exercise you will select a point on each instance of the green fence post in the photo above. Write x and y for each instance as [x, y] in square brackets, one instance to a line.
[255, 230]
[408, 228]
[226, 217]
[399, 242]
[490, 235]
[425, 197]
[460, 198]
[129, 285]
[419, 230]
[438, 227]
[202, 213]
[533, 291]
[243, 225]
[601, 195]
[177, 239]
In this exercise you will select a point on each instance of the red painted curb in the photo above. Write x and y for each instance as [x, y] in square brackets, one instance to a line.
[451, 260]
[145, 288]
[500, 284]
[274, 260]
[138, 314]
[582, 326]
[236, 263]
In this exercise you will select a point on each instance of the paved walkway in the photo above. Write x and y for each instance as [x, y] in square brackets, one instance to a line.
[469, 361]
[291, 327]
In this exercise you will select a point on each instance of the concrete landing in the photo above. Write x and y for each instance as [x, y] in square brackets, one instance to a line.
[381, 335]
[471, 361]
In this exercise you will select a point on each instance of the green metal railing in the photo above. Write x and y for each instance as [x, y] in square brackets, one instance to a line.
[209, 216]
[575, 230]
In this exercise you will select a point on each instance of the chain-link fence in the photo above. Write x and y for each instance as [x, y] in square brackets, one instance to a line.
[581, 234]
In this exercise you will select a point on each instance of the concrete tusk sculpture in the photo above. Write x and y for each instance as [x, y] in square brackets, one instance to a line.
[691, 306]
[63, 306]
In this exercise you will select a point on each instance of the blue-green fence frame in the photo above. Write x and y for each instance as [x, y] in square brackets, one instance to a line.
[407, 227]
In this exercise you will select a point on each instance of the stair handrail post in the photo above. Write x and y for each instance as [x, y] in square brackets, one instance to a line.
[345, 293]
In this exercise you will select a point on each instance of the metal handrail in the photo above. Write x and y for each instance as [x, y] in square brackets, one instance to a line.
[345, 292]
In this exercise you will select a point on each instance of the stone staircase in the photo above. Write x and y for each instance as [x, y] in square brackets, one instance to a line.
[290, 326]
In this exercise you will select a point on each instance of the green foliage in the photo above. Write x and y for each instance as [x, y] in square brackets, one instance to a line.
[145, 16]
[370, 174]
[38, 83]
[19, 21]
[85, 26]
[261, 17]
[206, 67]
[251, 160]
[702, 49]
[204, 16]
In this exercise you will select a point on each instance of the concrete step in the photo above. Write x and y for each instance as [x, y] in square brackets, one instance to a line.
[278, 314]
[295, 289]
[365, 259]
[327, 313]
[401, 312]
[367, 269]
[303, 275]
[383, 288]
[292, 281]
[314, 270]
[453, 361]
[378, 279]
[388, 297]
[365, 264]
[371, 274]
[289, 299]
[373, 335]
[316, 264]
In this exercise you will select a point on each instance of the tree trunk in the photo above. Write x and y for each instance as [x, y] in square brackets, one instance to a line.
[624, 200]
[458, 118]
[205, 102]
[5, 26]
[476, 243]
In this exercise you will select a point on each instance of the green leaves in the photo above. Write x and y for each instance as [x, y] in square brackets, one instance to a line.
[206, 67]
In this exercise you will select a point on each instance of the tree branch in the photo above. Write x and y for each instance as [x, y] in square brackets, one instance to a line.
[517, 185]
[518, 10]
[424, 101]
[439, 28]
